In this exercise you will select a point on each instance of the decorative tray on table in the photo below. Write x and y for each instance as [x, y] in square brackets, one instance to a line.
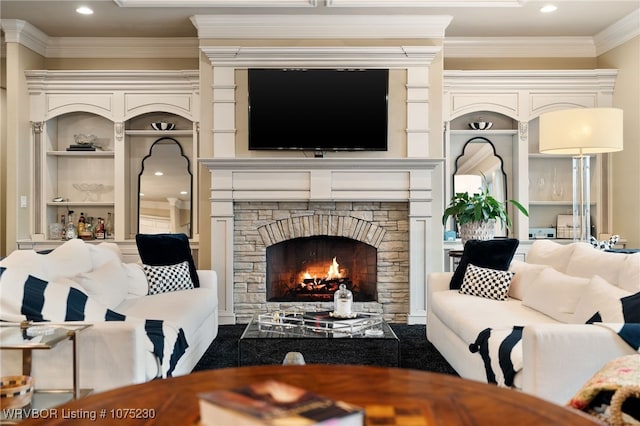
[305, 323]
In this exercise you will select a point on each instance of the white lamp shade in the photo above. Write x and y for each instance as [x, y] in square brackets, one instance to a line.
[581, 131]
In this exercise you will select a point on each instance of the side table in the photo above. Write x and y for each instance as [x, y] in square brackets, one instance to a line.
[28, 336]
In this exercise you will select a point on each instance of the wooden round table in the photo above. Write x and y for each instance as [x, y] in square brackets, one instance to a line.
[442, 399]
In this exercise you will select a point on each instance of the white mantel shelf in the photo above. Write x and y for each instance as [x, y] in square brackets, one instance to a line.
[321, 163]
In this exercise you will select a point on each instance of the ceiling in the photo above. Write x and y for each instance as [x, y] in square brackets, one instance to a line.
[170, 18]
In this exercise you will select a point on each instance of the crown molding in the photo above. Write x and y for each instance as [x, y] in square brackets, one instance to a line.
[316, 3]
[320, 26]
[122, 47]
[618, 33]
[424, 3]
[320, 3]
[216, 3]
[22, 32]
[513, 80]
[92, 80]
[519, 47]
[346, 57]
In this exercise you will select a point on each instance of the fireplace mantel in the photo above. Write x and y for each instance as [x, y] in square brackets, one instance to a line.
[411, 180]
[320, 163]
[321, 179]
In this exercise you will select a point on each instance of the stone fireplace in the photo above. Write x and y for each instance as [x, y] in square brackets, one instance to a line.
[257, 204]
[371, 237]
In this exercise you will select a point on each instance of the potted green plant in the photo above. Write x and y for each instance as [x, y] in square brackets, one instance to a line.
[476, 214]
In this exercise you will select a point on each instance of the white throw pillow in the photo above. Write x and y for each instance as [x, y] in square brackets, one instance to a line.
[587, 261]
[65, 261]
[107, 284]
[485, 282]
[137, 280]
[601, 297]
[103, 253]
[555, 294]
[547, 252]
[525, 273]
[163, 279]
[27, 260]
[629, 278]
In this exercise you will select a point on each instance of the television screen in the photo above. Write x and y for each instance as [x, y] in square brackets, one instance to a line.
[318, 109]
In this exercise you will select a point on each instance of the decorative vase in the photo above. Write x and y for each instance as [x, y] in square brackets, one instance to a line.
[477, 231]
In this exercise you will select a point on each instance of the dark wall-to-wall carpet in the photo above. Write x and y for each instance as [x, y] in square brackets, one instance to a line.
[415, 350]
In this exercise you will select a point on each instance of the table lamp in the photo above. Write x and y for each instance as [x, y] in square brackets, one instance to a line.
[581, 132]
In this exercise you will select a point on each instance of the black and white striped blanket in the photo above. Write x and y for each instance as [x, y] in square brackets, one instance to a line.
[501, 349]
[25, 297]
[501, 352]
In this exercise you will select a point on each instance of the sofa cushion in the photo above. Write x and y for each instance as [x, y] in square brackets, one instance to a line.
[524, 274]
[103, 253]
[556, 255]
[65, 261]
[136, 279]
[166, 249]
[164, 279]
[106, 284]
[468, 315]
[485, 282]
[629, 277]
[587, 261]
[493, 254]
[555, 294]
[602, 298]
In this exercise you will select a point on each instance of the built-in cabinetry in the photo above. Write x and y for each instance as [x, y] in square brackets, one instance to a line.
[514, 101]
[117, 107]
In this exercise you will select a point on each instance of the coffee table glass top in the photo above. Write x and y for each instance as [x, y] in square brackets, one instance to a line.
[28, 335]
[296, 324]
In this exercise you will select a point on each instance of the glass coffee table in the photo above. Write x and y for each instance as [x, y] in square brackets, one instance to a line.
[364, 340]
[27, 337]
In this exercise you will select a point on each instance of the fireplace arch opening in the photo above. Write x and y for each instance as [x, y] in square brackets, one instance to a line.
[310, 269]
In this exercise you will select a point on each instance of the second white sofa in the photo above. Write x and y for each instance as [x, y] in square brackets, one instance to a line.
[552, 295]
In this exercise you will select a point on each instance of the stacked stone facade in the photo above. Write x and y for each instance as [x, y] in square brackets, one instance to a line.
[384, 225]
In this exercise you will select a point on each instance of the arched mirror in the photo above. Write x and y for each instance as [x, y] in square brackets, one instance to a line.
[479, 159]
[164, 190]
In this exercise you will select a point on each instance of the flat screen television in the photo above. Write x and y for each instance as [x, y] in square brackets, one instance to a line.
[318, 109]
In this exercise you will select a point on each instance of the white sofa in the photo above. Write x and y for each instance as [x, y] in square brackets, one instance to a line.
[112, 353]
[552, 295]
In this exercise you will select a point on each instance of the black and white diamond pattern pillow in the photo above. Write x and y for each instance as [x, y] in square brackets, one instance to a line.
[484, 282]
[163, 279]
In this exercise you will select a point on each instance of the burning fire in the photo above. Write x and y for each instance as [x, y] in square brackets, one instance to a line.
[332, 273]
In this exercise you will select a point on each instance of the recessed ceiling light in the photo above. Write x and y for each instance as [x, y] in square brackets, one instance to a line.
[548, 8]
[158, 173]
[183, 192]
[84, 10]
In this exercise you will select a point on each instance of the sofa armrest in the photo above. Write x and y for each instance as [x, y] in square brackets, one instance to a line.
[208, 278]
[559, 358]
[112, 354]
[437, 281]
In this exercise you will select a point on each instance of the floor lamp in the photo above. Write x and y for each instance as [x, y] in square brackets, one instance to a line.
[581, 133]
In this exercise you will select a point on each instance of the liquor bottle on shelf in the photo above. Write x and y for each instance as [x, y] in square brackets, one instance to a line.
[100, 233]
[82, 222]
[71, 231]
[63, 227]
[108, 226]
[87, 232]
